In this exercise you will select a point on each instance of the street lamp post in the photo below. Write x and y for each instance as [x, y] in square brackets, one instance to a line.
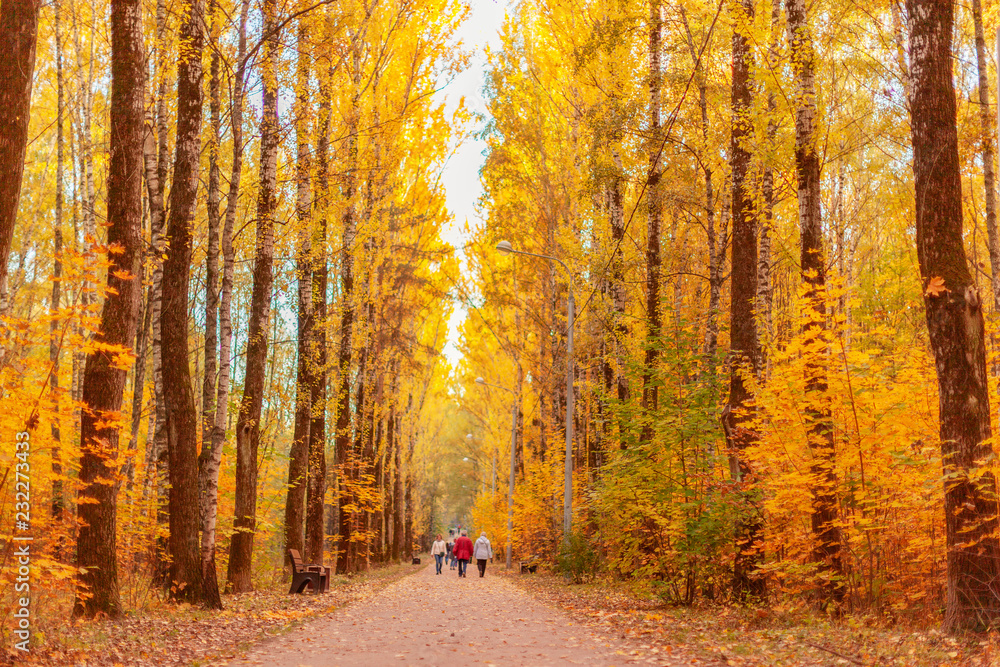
[505, 247]
[510, 485]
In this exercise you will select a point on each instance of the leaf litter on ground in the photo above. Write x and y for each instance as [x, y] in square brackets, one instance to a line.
[751, 636]
[172, 635]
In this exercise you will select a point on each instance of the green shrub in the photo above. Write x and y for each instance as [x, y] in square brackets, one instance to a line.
[577, 559]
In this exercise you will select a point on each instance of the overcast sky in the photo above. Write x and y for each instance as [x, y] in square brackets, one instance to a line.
[461, 175]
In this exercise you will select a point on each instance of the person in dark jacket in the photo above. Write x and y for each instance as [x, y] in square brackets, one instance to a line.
[463, 552]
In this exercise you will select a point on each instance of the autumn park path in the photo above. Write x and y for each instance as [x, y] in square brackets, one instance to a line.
[428, 619]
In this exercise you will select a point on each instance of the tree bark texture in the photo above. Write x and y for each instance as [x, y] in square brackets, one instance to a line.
[986, 150]
[765, 288]
[157, 157]
[208, 462]
[185, 578]
[343, 434]
[18, 35]
[58, 502]
[105, 372]
[248, 424]
[716, 252]
[298, 459]
[228, 255]
[823, 468]
[955, 324]
[744, 354]
[619, 296]
[654, 199]
[316, 494]
[316, 450]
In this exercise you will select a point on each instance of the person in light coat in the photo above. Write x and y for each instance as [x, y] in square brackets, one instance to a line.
[438, 550]
[482, 552]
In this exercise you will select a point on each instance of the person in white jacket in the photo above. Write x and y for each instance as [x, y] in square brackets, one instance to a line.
[438, 550]
[482, 552]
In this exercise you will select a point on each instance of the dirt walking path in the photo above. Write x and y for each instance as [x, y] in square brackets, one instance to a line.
[429, 619]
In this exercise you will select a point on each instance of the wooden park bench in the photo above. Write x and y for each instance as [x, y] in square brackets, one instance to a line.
[317, 576]
[530, 565]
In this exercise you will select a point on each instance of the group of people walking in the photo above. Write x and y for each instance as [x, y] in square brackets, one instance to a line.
[460, 551]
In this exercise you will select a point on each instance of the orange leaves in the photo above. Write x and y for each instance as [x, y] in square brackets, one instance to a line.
[936, 287]
[122, 274]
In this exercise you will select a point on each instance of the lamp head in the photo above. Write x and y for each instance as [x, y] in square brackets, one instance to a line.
[468, 436]
[480, 381]
[505, 247]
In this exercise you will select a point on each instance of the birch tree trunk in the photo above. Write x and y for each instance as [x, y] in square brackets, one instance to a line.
[765, 296]
[225, 301]
[104, 376]
[955, 324]
[156, 155]
[138, 376]
[181, 424]
[823, 468]
[716, 253]
[208, 468]
[248, 424]
[986, 149]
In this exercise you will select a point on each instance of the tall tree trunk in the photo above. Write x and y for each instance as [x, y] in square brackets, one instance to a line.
[408, 500]
[208, 462]
[343, 435]
[316, 450]
[298, 459]
[619, 295]
[986, 149]
[765, 297]
[654, 198]
[955, 324]
[156, 158]
[900, 42]
[18, 34]
[823, 469]
[359, 469]
[182, 419]
[248, 424]
[228, 255]
[316, 498]
[104, 376]
[138, 378]
[58, 501]
[744, 354]
[397, 494]
[716, 251]
[85, 91]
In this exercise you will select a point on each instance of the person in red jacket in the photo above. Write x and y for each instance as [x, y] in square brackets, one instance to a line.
[463, 552]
